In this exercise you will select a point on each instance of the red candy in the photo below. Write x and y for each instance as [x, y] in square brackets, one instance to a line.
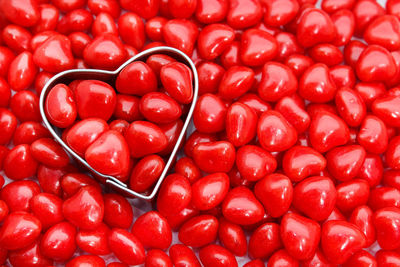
[292, 158]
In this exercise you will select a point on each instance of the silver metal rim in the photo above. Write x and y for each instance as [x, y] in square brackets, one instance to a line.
[104, 74]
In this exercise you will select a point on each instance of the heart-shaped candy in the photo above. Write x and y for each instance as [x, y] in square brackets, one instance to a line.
[103, 149]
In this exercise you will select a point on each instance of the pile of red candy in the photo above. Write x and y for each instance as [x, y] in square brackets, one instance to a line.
[128, 147]
[296, 144]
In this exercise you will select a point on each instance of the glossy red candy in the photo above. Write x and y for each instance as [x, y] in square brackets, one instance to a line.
[352, 194]
[8, 125]
[294, 113]
[210, 75]
[300, 236]
[244, 13]
[386, 109]
[387, 258]
[236, 81]
[94, 241]
[240, 206]
[340, 239]
[17, 38]
[383, 197]
[47, 208]
[211, 11]
[254, 162]
[159, 108]
[117, 211]
[95, 99]
[315, 197]
[109, 154]
[55, 54]
[362, 216]
[345, 162]
[5, 93]
[25, 106]
[392, 158]
[300, 162]
[105, 52]
[232, 237]
[22, 157]
[318, 260]
[373, 135]
[372, 170]
[144, 8]
[327, 131]
[275, 192]
[175, 194]
[19, 195]
[72, 182]
[91, 260]
[386, 220]
[327, 54]
[138, 74]
[275, 133]
[361, 258]
[257, 47]
[214, 156]
[316, 84]
[209, 191]
[176, 8]
[384, 31]
[29, 256]
[6, 57]
[182, 255]
[153, 230]
[131, 29]
[154, 27]
[19, 230]
[280, 12]
[22, 12]
[58, 243]
[177, 81]
[145, 138]
[50, 179]
[343, 76]
[85, 209]
[127, 108]
[83, 133]
[3, 210]
[181, 34]
[146, 172]
[282, 258]
[315, 27]
[79, 40]
[172, 131]
[102, 24]
[209, 114]
[215, 255]
[350, 106]
[241, 124]
[264, 241]
[199, 231]
[22, 71]
[375, 64]
[157, 258]
[277, 81]
[214, 39]
[186, 167]
[49, 153]
[60, 106]
[28, 132]
[126, 247]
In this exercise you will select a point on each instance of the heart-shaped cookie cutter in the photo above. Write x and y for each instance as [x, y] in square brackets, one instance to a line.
[110, 76]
